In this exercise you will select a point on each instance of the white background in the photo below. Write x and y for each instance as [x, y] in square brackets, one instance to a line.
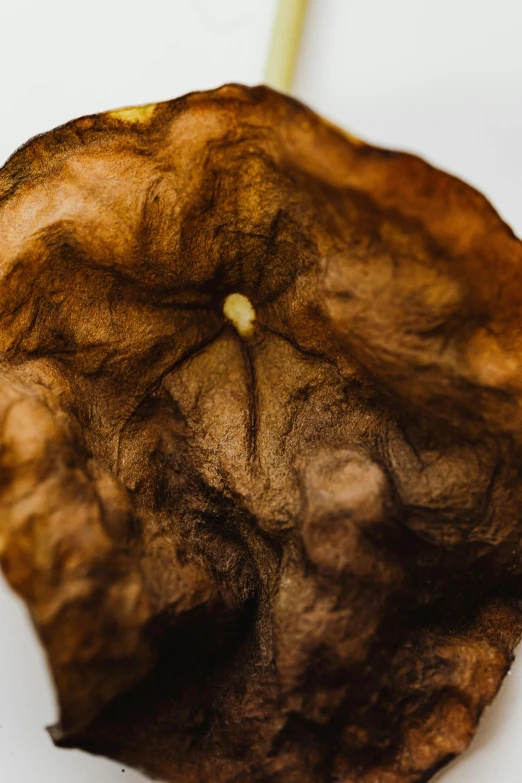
[443, 79]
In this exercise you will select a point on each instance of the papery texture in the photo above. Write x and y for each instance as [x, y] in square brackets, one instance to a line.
[279, 550]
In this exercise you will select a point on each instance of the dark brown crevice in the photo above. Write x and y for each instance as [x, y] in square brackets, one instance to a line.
[250, 376]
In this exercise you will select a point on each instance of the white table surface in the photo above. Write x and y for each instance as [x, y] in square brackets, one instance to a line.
[442, 79]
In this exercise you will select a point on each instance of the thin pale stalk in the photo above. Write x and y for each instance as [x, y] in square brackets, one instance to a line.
[284, 47]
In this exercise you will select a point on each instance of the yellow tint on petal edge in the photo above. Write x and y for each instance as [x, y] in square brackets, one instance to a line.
[133, 113]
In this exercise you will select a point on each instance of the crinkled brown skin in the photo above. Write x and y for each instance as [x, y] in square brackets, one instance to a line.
[288, 557]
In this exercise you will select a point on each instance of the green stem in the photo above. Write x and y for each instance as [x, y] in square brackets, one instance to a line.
[284, 48]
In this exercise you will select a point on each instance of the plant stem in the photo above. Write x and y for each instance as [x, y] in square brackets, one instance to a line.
[284, 47]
